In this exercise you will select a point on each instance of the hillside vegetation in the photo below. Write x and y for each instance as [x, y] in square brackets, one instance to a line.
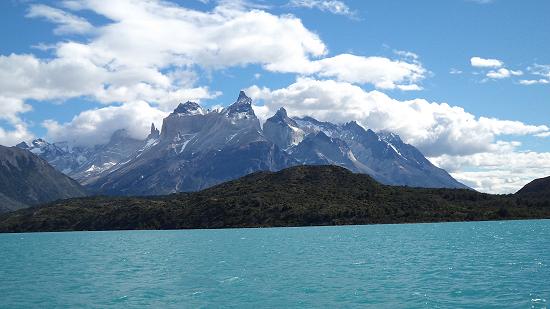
[297, 196]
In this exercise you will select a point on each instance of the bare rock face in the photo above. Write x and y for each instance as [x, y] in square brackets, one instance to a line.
[283, 130]
[197, 149]
[27, 180]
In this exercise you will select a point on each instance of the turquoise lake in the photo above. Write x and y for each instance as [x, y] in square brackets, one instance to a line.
[448, 265]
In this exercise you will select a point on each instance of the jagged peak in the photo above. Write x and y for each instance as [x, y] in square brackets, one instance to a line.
[189, 108]
[23, 145]
[353, 125]
[155, 133]
[390, 137]
[281, 112]
[243, 98]
[242, 107]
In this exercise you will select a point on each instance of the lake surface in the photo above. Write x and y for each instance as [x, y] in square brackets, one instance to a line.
[447, 265]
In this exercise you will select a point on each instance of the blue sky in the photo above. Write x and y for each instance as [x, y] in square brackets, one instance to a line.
[78, 70]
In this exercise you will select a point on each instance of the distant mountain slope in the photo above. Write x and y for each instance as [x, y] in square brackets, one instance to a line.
[26, 180]
[384, 156]
[538, 187]
[8, 204]
[297, 196]
[85, 164]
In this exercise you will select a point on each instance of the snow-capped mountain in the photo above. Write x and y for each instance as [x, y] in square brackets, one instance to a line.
[198, 148]
[85, 164]
[384, 156]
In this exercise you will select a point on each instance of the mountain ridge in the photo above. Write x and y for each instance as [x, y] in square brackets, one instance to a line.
[194, 143]
[27, 180]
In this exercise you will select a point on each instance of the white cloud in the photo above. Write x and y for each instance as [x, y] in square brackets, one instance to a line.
[528, 82]
[503, 73]
[505, 171]
[382, 72]
[160, 34]
[228, 36]
[9, 112]
[149, 51]
[540, 70]
[20, 132]
[455, 71]
[27, 77]
[485, 63]
[332, 6]
[67, 22]
[435, 128]
[96, 126]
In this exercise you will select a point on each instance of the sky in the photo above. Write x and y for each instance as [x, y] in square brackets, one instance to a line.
[465, 81]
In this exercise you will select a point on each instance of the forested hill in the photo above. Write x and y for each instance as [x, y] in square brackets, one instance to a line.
[297, 196]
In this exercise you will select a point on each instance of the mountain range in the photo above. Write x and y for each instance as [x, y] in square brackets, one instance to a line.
[197, 148]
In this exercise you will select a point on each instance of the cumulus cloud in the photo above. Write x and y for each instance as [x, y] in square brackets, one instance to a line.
[381, 72]
[503, 73]
[505, 171]
[96, 126]
[479, 62]
[435, 128]
[332, 6]
[67, 22]
[160, 34]
[149, 50]
[27, 77]
[10, 109]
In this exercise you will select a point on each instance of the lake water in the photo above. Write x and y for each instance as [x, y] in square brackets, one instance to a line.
[447, 265]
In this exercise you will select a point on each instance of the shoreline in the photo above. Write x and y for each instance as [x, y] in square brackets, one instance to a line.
[281, 227]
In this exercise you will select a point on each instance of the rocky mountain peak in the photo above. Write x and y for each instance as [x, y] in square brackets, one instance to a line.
[189, 108]
[243, 98]
[391, 138]
[281, 117]
[281, 113]
[155, 133]
[242, 108]
[23, 145]
[353, 126]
